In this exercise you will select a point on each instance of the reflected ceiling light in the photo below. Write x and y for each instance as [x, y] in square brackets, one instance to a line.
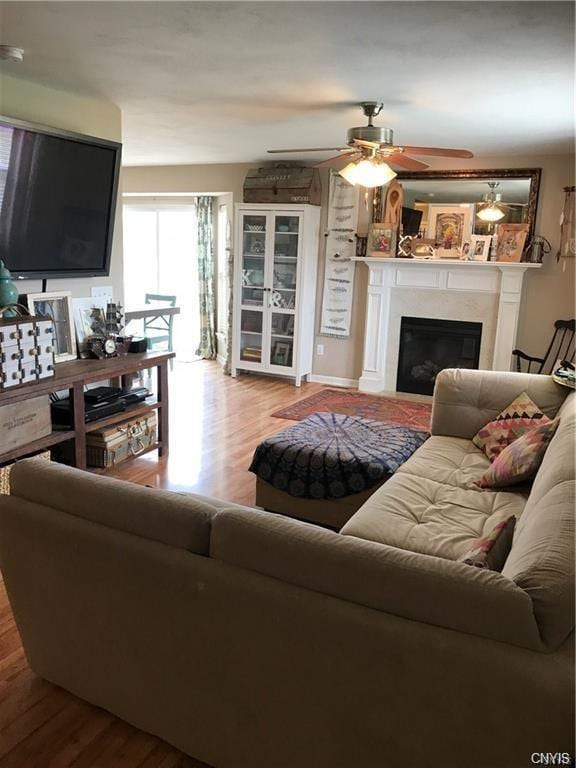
[491, 212]
[368, 172]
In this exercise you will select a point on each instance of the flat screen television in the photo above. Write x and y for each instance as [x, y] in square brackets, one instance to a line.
[57, 201]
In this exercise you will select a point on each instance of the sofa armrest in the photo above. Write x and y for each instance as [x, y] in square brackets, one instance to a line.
[394, 581]
[465, 400]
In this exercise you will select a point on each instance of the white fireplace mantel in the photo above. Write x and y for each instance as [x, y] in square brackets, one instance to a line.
[455, 279]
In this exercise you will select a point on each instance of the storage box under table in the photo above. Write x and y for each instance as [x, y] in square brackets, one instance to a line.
[111, 445]
[25, 422]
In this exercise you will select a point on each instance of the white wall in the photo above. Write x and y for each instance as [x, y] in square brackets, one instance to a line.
[24, 100]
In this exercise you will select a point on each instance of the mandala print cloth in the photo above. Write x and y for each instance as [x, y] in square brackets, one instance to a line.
[329, 455]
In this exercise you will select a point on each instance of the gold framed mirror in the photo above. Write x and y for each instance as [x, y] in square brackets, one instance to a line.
[496, 196]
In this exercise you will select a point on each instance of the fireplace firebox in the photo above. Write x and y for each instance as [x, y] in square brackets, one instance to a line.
[427, 346]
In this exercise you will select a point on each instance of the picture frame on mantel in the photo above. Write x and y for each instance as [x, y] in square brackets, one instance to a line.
[510, 243]
[382, 241]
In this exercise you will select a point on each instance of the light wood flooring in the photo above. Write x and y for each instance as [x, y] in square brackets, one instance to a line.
[216, 422]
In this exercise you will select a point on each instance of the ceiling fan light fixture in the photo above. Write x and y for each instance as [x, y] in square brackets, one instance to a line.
[367, 173]
[491, 213]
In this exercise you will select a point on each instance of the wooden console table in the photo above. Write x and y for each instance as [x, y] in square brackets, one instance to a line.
[74, 376]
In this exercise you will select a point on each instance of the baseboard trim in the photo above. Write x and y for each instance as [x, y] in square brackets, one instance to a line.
[220, 359]
[332, 381]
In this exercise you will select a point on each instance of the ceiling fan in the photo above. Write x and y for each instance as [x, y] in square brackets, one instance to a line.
[371, 150]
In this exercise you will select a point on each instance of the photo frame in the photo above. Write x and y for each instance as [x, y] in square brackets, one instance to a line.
[89, 320]
[382, 241]
[57, 306]
[422, 248]
[450, 225]
[511, 240]
[282, 352]
[479, 247]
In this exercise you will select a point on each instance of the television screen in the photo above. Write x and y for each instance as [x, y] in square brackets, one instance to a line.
[57, 201]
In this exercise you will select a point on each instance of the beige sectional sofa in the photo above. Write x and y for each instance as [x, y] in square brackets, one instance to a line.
[251, 640]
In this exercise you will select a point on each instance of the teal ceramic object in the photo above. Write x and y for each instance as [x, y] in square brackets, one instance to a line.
[8, 292]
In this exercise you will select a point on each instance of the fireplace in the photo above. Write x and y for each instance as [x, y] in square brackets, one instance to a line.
[427, 346]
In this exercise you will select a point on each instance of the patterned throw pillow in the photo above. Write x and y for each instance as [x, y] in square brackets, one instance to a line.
[521, 415]
[520, 460]
[491, 551]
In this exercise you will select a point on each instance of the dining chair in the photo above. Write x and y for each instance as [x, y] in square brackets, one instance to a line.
[160, 325]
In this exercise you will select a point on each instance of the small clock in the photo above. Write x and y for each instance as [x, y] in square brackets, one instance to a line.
[102, 346]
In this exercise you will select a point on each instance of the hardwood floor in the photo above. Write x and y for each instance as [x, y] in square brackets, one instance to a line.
[216, 422]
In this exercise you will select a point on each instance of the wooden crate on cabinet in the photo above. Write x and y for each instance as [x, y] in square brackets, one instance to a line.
[276, 259]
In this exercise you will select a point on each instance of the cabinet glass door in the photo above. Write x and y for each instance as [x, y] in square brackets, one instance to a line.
[251, 327]
[286, 242]
[282, 338]
[253, 260]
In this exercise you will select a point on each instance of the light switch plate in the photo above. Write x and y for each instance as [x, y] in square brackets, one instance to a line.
[102, 291]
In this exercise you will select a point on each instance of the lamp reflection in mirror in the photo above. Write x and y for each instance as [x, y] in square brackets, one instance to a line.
[368, 173]
[491, 213]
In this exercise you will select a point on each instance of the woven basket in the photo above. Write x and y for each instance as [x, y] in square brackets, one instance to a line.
[5, 471]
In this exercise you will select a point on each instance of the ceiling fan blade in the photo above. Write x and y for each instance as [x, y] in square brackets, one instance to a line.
[406, 162]
[307, 149]
[345, 157]
[430, 151]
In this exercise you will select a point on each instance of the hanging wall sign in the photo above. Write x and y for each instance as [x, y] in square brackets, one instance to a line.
[339, 267]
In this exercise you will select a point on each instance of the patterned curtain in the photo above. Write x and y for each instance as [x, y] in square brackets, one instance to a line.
[206, 279]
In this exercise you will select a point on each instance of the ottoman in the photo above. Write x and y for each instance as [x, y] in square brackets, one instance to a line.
[326, 466]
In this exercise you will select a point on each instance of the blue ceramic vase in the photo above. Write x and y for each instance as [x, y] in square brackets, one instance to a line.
[8, 292]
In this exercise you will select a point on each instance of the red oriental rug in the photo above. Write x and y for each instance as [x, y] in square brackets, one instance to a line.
[388, 409]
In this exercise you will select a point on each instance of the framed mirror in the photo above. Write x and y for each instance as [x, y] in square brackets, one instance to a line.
[492, 196]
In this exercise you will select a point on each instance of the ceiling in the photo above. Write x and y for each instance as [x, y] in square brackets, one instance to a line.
[208, 82]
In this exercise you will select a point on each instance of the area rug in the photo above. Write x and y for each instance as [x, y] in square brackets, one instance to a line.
[388, 409]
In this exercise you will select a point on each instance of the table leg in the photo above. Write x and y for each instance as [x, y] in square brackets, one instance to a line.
[163, 413]
[79, 425]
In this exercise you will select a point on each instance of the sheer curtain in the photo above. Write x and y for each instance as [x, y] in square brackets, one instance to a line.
[206, 278]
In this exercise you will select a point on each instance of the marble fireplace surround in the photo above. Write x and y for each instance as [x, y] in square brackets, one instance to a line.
[485, 292]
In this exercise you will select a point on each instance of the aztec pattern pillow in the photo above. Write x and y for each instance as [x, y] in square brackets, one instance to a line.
[521, 415]
[491, 551]
[520, 460]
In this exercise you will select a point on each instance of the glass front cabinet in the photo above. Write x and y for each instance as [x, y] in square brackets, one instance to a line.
[276, 258]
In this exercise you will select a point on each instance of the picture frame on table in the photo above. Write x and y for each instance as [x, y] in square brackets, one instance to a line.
[511, 241]
[89, 320]
[479, 247]
[382, 241]
[57, 307]
[450, 225]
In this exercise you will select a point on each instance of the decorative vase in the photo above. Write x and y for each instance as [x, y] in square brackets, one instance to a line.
[8, 292]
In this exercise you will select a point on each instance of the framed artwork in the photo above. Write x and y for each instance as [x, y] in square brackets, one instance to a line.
[282, 353]
[450, 225]
[382, 241]
[511, 239]
[57, 306]
[479, 247]
[89, 320]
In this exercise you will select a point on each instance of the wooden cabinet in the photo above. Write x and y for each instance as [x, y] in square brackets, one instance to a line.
[276, 259]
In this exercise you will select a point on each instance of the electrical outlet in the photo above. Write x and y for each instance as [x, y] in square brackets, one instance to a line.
[320, 349]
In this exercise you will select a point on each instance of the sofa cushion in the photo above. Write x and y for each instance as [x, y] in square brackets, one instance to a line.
[425, 516]
[491, 551]
[542, 556]
[520, 460]
[465, 400]
[517, 418]
[416, 587]
[448, 460]
[179, 520]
